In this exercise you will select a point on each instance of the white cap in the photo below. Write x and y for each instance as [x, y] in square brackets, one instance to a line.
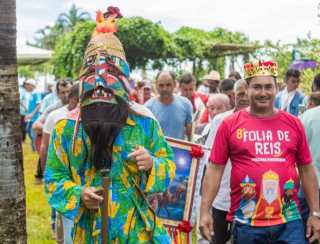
[30, 82]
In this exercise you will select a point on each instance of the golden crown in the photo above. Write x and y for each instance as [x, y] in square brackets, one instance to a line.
[270, 175]
[261, 68]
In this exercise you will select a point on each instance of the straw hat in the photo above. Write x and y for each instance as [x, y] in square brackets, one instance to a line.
[213, 75]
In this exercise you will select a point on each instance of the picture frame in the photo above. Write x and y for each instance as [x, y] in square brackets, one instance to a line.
[175, 205]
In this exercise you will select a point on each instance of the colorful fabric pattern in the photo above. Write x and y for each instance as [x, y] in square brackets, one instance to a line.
[109, 72]
[131, 219]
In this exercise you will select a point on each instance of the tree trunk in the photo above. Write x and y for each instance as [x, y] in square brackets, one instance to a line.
[12, 194]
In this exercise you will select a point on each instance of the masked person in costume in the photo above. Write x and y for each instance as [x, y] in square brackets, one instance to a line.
[108, 131]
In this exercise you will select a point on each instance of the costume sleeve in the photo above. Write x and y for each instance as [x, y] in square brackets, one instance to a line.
[62, 192]
[163, 169]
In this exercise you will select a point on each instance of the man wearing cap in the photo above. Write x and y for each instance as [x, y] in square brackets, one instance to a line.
[145, 91]
[266, 146]
[107, 134]
[210, 83]
[25, 92]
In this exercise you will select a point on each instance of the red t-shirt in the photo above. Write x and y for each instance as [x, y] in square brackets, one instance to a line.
[264, 153]
[197, 95]
[204, 117]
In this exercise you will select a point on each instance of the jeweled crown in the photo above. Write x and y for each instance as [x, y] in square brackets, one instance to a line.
[260, 68]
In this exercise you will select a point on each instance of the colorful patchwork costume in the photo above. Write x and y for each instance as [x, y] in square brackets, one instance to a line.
[69, 169]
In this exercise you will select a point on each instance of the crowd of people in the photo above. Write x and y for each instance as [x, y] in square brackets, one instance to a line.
[185, 112]
[260, 176]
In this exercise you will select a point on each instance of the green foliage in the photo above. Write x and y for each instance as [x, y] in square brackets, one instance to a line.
[67, 21]
[196, 45]
[307, 78]
[49, 36]
[191, 43]
[26, 72]
[307, 48]
[69, 51]
[142, 39]
[29, 71]
[281, 53]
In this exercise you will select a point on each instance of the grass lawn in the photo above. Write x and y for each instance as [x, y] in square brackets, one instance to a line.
[38, 210]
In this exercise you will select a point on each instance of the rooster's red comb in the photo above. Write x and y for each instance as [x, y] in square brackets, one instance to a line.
[114, 11]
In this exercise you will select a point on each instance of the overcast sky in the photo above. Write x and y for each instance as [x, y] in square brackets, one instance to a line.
[283, 20]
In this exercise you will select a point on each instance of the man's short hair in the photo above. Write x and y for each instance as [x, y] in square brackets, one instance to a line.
[220, 96]
[63, 82]
[171, 73]
[315, 98]
[316, 83]
[226, 85]
[235, 74]
[74, 91]
[186, 78]
[292, 73]
[239, 83]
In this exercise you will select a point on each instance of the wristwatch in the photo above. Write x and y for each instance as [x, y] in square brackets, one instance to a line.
[316, 214]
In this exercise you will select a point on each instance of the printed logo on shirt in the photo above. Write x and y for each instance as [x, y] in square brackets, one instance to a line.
[266, 143]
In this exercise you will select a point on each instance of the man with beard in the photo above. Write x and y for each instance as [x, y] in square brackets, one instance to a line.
[110, 134]
[267, 147]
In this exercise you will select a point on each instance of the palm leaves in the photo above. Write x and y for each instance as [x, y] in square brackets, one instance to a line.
[69, 20]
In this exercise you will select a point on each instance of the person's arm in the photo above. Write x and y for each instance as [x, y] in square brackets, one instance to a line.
[309, 182]
[189, 131]
[38, 125]
[210, 188]
[30, 115]
[311, 190]
[310, 186]
[188, 124]
[215, 168]
[44, 149]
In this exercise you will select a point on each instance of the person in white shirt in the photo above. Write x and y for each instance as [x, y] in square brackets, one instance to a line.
[221, 204]
[50, 122]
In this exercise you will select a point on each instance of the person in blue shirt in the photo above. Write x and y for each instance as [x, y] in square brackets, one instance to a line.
[173, 112]
[290, 97]
[25, 92]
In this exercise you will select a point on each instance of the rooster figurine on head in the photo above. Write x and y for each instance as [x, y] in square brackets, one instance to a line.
[106, 22]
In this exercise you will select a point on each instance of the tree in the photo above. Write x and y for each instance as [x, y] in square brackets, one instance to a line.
[143, 42]
[12, 194]
[196, 45]
[48, 36]
[69, 20]
[69, 51]
[308, 48]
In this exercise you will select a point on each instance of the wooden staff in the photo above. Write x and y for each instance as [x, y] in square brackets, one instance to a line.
[105, 204]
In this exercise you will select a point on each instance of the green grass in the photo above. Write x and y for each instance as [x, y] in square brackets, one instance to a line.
[38, 210]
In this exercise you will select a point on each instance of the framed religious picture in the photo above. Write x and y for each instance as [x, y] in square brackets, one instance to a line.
[175, 205]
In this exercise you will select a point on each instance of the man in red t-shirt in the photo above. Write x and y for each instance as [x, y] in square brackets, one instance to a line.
[266, 147]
